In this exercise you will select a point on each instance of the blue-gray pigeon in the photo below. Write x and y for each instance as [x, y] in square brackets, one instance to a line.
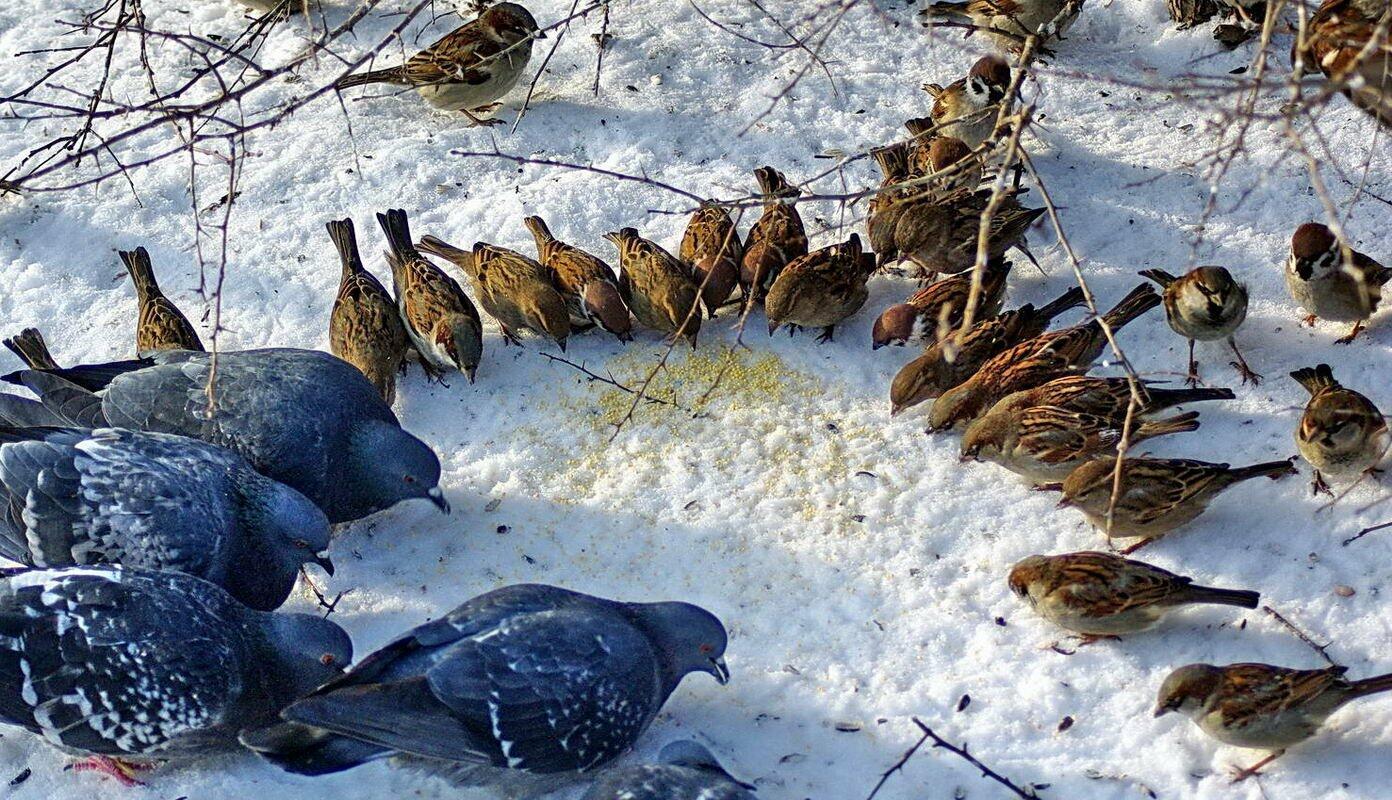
[686, 771]
[302, 417]
[524, 689]
[73, 496]
[135, 666]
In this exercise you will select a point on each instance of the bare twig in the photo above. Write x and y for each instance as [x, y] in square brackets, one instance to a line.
[1301, 635]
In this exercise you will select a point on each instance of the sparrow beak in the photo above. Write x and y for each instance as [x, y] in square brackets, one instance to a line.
[438, 498]
[720, 671]
[1161, 711]
[966, 458]
[322, 559]
[470, 373]
[1065, 503]
[877, 345]
[561, 344]
[894, 409]
[773, 327]
[625, 337]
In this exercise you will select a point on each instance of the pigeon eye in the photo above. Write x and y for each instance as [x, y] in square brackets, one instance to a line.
[706, 649]
[409, 478]
[302, 544]
[327, 659]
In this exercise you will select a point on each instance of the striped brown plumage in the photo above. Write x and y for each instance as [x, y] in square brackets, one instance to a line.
[711, 247]
[365, 328]
[585, 281]
[160, 325]
[777, 237]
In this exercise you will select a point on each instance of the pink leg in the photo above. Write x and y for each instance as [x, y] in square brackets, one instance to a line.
[122, 771]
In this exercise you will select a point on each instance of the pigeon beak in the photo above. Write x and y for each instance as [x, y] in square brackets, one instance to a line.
[322, 559]
[438, 498]
[720, 671]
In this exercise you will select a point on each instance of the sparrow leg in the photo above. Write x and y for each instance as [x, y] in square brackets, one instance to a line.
[1241, 365]
[1240, 775]
[1138, 545]
[1318, 486]
[792, 329]
[826, 335]
[1353, 334]
[1192, 379]
[475, 121]
[1088, 638]
[123, 772]
[1308, 320]
[433, 374]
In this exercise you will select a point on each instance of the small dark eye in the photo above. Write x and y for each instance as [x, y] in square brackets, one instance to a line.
[302, 544]
[706, 649]
[327, 659]
[410, 479]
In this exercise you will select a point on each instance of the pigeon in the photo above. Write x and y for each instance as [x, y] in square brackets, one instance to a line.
[133, 666]
[686, 771]
[74, 497]
[524, 689]
[302, 417]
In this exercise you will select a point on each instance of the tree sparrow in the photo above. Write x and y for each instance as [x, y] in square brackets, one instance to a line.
[1339, 42]
[364, 327]
[1108, 398]
[1205, 304]
[585, 282]
[160, 326]
[657, 286]
[711, 247]
[776, 238]
[939, 307]
[1008, 22]
[1342, 434]
[1326, 285]
[820, 289]
[966, 109]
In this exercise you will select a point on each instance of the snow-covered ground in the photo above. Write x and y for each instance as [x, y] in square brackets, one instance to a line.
[858, 566]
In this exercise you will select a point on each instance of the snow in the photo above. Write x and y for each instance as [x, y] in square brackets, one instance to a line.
[859, 567]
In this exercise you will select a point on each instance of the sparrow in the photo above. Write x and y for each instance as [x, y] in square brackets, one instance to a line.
[364, 327]
[585, 282]
[1036, 361]
[657, 286]
[1044, 444]
[1261, 706]
[468, 68]
[1108, 398]
[947, 364]
[922, 134]
[712, 250]
[1340, 43]
[1156, 495]
[1100, 595]
[1342, 434]
[940, 234]
[943, 153]
[160, 325]
[1205, 304]
[967, 108]
[938, 308]
[514, 290]
[31, 348]
[776, 238]
[820, 289]
[889, 201]
[440, 320]
[1008, 22]
[1326, 286]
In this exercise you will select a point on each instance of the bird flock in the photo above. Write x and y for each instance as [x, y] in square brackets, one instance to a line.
[180, 495]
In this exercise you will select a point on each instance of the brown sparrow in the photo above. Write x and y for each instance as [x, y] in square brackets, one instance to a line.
[1108, 398]
[514, 290]
[711, 248]
[586, 282]
[820, 289]
[160, 325]
[1156, 495]
[440, 320]
[1339, 43]
[364, 327]
[943, 153]
[1008, 22]
[939, 235]
[657, 286]
[966, 109]
[1342, 434]
[1035, 362]
[1044, 444]
[889, 202]
[31, 348]
[1103, 595]
[776, 238]
[1205, 304]
[469, 67]
[1261, 706]
[939, 307]
[922, 132]
[1327, 287]
[934, 372]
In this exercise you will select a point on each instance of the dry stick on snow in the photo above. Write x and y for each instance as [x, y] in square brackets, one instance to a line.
[609, 379]
[1301, 635]
[601, 41]
[1028, 791]
[1370, 529]
[898, 765]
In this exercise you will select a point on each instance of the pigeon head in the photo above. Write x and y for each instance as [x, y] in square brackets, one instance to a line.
[289, 531]
[309, 651]
[688, 638]
[390, 465]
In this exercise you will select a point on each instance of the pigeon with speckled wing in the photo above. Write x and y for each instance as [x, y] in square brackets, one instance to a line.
[686, 771]
[523, 689]
[73, 497]
[139, 665]
[302, 417]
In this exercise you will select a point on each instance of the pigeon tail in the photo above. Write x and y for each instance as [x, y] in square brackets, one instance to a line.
[70, 402]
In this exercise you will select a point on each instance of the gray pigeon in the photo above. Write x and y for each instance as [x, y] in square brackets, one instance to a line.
[72, 496]
[302, 417]
[523, 689]
[134, 666]
[687, 771]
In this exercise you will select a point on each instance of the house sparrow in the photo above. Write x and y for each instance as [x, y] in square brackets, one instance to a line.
[1035, 362]
[1044, 444]
[1342, 434]
[364, 327]
[934, 372]
[1205, 304]
[1327, 287]
[1339, 43]
[657, 286]
[889, 202]
[1008, 22]
[820, 289]
[160, 326]
[940, 235]
[1156, 495]
[966, 109]
[1101, 595]
[514, 290]
[711, 248]
[440, 320]
[31, 348]
[587, 283]
[1261, 706]
[939, 307]
[468, 68]
[776, 238]
[1108, 398]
